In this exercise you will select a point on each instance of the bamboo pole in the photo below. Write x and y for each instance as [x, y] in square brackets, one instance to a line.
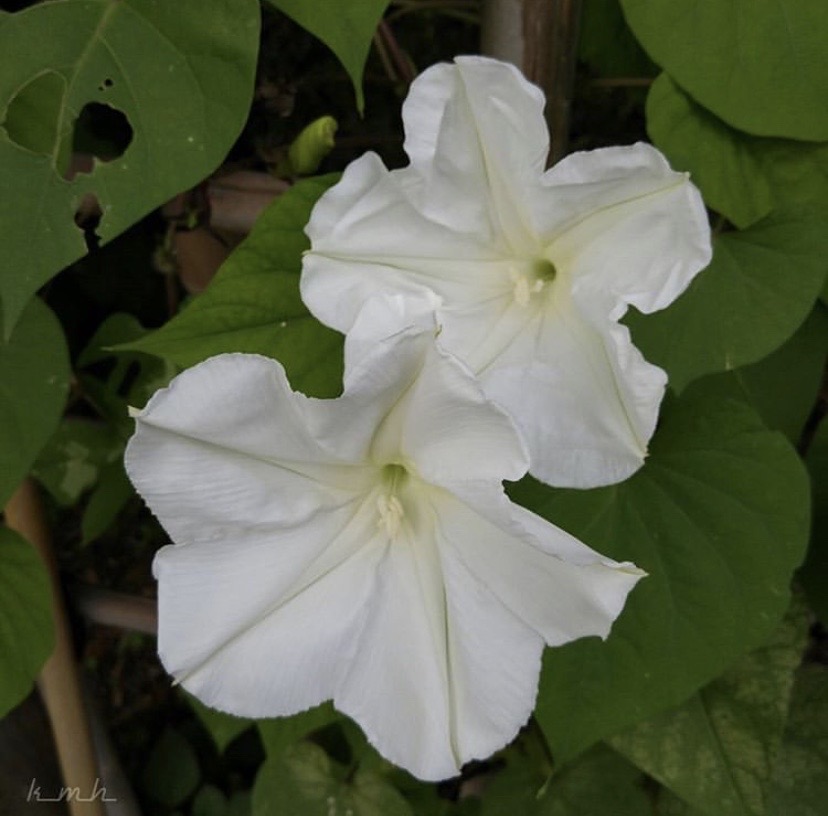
[59, 681]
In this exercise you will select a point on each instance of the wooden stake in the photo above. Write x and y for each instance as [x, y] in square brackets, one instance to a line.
[59, 682]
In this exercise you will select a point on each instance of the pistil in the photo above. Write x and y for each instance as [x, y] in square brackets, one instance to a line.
[532, 281]
[389, 507]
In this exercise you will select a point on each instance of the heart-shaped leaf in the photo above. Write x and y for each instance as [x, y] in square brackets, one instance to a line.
[158, 91]
[760, 65]
[717, 750]
[253, 304]
[759, 288]
[719, 518]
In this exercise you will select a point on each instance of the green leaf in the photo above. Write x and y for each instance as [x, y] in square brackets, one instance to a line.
[253, 304]
[209, 801]
[721, 160]
[345, 26]
[740, 176]
[223, 727]
[607, 45]
[180, 77]
[759, 288]
[279, 734]
[240, 804]
[717, 750]
[800, 785]
[797, 171]
[117, 328]
[761, 65]
[719, 519]
[814, 572]
[26, 633]
[107, 500]
[123, 385]
[72, 459]
[736, 172]
[305, 782]
[783, 387]
[34, 377]
[599, 782]
[171, 774]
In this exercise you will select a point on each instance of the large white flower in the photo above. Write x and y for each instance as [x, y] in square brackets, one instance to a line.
[360, 549]
[532, 269]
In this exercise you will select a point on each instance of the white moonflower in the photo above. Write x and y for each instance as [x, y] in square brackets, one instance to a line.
[360, 549]
[532, 269]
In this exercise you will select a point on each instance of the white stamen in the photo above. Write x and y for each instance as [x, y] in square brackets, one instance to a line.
[391, 514]
[523, 290]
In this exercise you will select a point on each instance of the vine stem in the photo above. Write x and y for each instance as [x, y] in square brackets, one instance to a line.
[59, 681]
[401, 64]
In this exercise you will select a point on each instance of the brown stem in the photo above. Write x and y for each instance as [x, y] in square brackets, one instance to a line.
[402, 64]
[550, 30]
[59, 682]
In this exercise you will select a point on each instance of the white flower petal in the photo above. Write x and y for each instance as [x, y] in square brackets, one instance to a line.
[268, 630]
[368, 237]
[480, 332]
[444, 672]
[584, 398]
[620, 222]
[360, 549]
[418, 405]
[447, 429]
[501, 246]
[384, 316]
[212, 450]
[547, 578]
[396, 686]
[483, 140]
[494, 663]
[423, 109]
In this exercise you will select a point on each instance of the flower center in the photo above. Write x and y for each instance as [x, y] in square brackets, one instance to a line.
[389, 507]
[530, 279]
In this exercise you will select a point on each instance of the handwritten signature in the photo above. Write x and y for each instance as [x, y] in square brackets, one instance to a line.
[68, 794]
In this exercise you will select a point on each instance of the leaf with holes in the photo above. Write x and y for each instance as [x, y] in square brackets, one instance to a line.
[760, 65]
[159, 90]
[346, 27]
[253, 303]
[757, 291]
[26, 636]
[718, 517]
[34, 377]
[717, 750]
